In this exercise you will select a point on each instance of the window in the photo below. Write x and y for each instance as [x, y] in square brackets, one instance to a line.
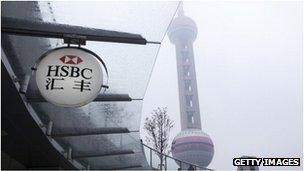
[188, 85]
[189, 100]
[190, 117]
[185, 56]
[186, 70]
[186, 59]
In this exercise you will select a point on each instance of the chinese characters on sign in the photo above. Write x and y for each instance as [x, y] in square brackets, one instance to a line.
[65, 71]
[69, 77]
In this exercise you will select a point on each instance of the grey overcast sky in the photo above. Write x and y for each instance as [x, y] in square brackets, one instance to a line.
[248, 58]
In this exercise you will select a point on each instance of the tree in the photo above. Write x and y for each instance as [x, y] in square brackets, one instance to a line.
[158, 128]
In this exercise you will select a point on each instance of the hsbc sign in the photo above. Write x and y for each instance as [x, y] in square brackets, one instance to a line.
[69, 77]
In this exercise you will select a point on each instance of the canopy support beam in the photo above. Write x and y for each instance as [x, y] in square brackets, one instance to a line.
[70, 33]
[96, 154]
[120, 168]
[88, 131]
[100, 98]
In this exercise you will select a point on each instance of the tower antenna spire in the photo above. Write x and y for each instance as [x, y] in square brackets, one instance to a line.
[181, 9]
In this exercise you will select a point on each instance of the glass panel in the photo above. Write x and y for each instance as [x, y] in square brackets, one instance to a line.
[169, 163]
[106, 144]
[150, 19]
[22, 9]
[93, 115]
[129, 68]
[102, 143]
[98, 115]
[119, 161]
[129, 65]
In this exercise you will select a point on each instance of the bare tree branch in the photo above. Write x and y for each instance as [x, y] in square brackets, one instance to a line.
[158, 127]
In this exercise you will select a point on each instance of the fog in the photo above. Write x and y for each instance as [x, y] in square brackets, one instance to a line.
[248, 58]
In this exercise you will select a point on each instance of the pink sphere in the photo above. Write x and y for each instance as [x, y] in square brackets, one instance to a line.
[193, 146]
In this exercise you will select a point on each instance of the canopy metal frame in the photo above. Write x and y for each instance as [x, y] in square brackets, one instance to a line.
[102, 154]
[69, 33]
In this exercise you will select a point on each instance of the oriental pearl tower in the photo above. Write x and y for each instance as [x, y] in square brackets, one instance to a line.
[191, 144]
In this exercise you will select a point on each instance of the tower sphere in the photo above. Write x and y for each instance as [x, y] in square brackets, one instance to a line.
[182, 29]
[193, 146]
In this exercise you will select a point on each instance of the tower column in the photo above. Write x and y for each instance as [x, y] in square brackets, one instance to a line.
[188, 96]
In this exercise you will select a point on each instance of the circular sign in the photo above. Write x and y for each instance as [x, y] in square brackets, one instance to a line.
[69, 77]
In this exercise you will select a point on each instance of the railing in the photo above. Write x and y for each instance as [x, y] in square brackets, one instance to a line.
[168, 163]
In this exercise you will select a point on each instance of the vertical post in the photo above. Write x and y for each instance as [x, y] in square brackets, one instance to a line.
[69, 153]
[24, 84]
[150, 157]
[49, 128]
[161, 161]
[180, 162]
[120, 141]
[88, 167]
[165, 162]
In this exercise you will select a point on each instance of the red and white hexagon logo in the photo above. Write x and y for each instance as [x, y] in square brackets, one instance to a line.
[71, 59]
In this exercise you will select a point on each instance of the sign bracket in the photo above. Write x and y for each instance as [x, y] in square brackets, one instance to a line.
[74, 39]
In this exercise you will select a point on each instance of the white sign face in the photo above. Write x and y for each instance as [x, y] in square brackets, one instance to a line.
[69, 77]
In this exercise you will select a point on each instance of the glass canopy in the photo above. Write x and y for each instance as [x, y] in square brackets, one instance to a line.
[149, 19]
[115, 141]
